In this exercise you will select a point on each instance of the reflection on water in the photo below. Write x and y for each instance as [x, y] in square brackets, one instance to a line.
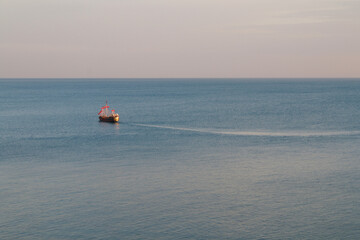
[115, 125]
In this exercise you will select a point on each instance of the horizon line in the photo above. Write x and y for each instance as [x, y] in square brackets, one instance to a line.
[4, 78]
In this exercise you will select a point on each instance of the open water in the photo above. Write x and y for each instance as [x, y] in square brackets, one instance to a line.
[190, 159]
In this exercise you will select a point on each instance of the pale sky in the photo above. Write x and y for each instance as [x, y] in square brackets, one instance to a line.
[179, 38]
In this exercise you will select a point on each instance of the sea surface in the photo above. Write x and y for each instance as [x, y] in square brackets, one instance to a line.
[189, 159]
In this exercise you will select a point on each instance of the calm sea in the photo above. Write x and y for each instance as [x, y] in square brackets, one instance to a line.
[190, 159]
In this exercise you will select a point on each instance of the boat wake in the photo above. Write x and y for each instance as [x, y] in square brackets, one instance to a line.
[256, 133]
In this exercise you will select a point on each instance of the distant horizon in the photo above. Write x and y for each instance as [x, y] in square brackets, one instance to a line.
[186, 78]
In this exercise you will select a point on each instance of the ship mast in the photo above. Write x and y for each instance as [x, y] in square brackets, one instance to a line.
[106, 109]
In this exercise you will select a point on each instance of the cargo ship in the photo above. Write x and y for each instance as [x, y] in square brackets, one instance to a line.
[106, 116]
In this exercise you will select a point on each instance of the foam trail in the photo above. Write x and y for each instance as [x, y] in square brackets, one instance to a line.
[256, 133]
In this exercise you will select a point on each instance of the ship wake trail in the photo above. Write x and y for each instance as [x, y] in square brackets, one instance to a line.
[256, 133]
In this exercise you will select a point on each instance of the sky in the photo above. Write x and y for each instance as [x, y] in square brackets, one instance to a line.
[179, 38]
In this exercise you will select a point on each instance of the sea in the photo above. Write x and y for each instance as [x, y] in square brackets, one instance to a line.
[189, 159]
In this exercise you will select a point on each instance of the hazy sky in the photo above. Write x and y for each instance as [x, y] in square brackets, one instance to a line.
[179, 38]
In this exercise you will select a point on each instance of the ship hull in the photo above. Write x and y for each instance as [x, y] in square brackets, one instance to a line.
[108, 119]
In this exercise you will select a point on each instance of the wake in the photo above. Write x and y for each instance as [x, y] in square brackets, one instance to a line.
[256, 133]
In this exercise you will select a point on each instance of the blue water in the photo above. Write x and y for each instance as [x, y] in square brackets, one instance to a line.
[190, 159]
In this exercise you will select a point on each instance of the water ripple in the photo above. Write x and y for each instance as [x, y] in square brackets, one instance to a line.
[256, 133]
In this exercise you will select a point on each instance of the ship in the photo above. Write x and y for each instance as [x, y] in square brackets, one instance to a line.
[105, 116]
